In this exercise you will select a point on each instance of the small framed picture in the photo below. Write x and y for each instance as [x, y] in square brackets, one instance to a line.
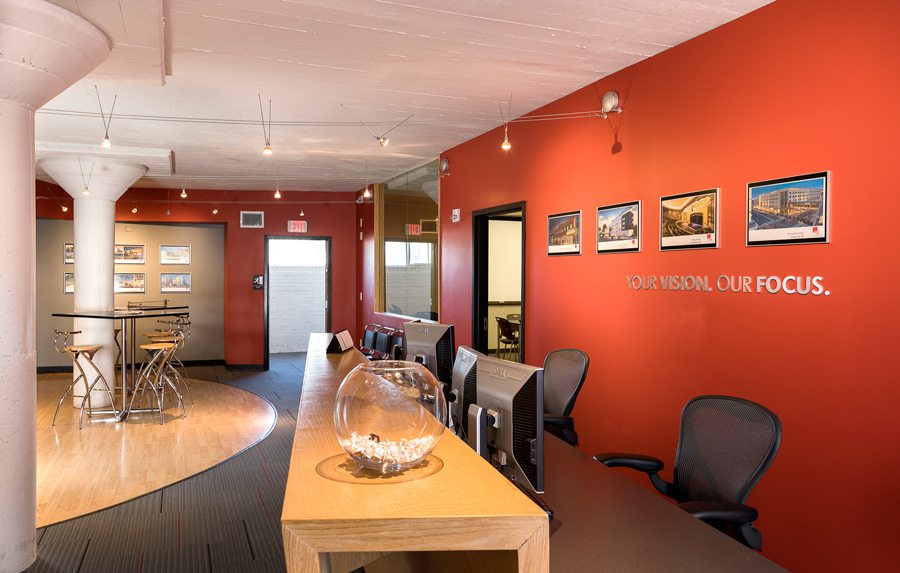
[129, 254]
[689, 220]
[619, 228]
[130, 282]
[564, 233]
[791, 210]
[174, 254]
[175, 282]
[68, 283]
[69, 253]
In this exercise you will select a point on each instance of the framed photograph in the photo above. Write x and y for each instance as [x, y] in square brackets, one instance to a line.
[69, 253]
[689, 220]
[130, 282]
[619, 228]
[174, 282]
[792, 210]
[174, 254]
[129, 255]
[564, 233]
[68, 283]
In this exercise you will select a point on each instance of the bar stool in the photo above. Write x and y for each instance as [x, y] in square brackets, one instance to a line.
[86, 353]
[154, 376]
[177, 332]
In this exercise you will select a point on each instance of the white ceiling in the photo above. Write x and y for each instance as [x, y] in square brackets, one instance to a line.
[336, 62]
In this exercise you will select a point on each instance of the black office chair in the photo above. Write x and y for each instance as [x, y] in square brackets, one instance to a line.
[398, 345]
[507, 340]
[725, 445]
[564, 374]
[367, 344]
[382, 348]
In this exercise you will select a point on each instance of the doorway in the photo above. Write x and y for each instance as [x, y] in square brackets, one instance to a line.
[298, 292]
[498, 294]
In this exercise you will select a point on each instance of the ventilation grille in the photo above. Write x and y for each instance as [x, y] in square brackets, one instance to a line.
[252, 219]
[525, 428]
[428, 225]
[470, 396]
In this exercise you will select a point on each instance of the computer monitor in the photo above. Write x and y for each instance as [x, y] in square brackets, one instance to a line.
[432, 345]
[506, 419]
[462, 389]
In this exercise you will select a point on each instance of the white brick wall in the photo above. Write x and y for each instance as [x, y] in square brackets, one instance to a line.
[296, 307]
[409, 288]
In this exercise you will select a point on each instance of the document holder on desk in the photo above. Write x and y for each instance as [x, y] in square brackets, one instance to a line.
[340, 342]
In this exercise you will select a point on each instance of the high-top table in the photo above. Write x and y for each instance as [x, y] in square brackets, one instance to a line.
[602, 520]
[127, 317]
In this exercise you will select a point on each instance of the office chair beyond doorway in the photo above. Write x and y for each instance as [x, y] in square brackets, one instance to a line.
[725, 445]
[564, 374]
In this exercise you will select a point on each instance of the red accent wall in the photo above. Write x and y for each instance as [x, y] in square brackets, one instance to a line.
[328, 214]
[795, 87]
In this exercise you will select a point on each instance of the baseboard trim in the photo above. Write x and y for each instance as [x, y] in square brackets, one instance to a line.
[53, 369]
[215, 362]
[244, 367]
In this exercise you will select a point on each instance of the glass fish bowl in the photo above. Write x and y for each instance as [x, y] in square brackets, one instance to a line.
[389, 414]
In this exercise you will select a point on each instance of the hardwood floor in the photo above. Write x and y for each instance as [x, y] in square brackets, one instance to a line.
[106, 463]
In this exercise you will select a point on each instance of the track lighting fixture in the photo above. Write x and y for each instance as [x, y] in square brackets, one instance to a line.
[168, 212]
[65, 209]
[106, 143]
[609, 103]
[85, 191]
[134, 209]
[183, 193]
[215, 211]
[382, 141]
[367, 194]
[267, 130]
[302, 214]
[506, 145]
[277, 191]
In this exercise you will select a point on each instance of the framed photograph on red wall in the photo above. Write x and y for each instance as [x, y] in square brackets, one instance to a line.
[619, 228]
[564, 233]
[689, 220]
[788, 211]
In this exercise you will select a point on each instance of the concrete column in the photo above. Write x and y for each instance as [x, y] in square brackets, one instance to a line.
[43, 50]
[95, 219]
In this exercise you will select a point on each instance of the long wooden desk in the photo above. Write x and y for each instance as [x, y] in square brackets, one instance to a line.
[602, 520]
[465, 517]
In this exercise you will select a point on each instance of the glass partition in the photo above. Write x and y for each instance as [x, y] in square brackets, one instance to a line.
[409, 241]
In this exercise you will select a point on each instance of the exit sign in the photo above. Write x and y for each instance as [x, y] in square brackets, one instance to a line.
[297, 226]
[413, 230]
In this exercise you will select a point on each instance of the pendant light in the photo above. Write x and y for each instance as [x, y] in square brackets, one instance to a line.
[277, 191]
[215, 211]
[302, 214]
[267, 132]
[65, 209]
[506, 145]
[106, 143]
[86, 182]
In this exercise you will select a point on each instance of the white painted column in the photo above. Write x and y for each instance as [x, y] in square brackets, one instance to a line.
[95, 220]
[43, 50]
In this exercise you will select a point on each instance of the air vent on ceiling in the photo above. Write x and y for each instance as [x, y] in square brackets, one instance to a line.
[429, 225]
[252, 219]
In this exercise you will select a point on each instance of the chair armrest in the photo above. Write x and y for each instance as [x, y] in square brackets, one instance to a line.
[646, 464]
[720, 511]
[561, 421]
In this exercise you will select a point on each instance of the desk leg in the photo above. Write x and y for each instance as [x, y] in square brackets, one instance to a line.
[534, 554]
[124, 365]
[301, 558]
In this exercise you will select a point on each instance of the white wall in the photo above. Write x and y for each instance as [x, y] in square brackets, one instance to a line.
[296, 306]
[504, 272]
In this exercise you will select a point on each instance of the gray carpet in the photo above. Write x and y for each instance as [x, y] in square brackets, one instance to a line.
[225, 519]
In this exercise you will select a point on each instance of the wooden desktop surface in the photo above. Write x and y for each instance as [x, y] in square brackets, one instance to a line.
[465, 507]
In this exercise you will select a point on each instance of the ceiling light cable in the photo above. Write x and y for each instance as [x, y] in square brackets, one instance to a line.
[267, 133]
[106, 144]
[87, 184]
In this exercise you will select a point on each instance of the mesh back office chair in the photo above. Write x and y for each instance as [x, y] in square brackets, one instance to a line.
[725, 445]
[508, 340]
[564, 374]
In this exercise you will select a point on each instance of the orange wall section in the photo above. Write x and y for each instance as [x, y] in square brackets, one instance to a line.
[328, 214]
[796, 87]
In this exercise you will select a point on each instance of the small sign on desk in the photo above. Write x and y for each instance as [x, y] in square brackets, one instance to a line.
[340, 342]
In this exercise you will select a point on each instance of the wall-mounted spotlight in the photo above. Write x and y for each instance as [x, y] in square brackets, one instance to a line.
[134, 209]
[65, 209]
[609, 103]
[215, 211]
